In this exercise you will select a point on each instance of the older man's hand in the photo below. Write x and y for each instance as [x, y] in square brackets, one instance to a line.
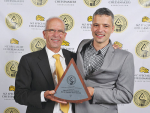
[50, 96]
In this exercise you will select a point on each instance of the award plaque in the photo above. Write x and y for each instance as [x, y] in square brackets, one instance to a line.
[71, 87]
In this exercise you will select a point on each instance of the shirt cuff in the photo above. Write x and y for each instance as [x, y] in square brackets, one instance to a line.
[42, 96]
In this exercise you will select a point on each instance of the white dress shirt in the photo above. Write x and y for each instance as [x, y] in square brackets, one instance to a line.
[53, 68]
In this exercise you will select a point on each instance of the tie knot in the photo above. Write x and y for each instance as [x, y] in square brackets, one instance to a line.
[56, 56]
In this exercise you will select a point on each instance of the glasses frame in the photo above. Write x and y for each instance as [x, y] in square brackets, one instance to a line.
[52, 31]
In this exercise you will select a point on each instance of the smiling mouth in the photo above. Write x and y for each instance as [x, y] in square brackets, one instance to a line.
[100, 35]
[55, 40]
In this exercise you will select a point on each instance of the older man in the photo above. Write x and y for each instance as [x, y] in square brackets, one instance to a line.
[39, 72]
[107, 72]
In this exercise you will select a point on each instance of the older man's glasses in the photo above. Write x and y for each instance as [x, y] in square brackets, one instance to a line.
[52, 31]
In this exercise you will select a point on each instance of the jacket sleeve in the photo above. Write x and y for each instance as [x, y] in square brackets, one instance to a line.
[23, 93]
[123, 91]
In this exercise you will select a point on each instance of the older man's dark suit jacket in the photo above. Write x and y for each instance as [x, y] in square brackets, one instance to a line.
[34, 75]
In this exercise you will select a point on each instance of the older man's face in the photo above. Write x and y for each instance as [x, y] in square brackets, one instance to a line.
[54, 34]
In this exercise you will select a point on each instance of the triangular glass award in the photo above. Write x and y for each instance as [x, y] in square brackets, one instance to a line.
[71, 87]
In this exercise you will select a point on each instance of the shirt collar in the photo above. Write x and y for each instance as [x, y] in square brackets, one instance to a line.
[101, 51]
[51, 53]
[104, 49]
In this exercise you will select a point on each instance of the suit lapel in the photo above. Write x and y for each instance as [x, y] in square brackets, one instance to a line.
[106, 63]
[107, 60]
[80, 64]
[45, 67]
[67, 56]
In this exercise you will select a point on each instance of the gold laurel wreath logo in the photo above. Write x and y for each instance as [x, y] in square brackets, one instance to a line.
[92, 3]
[39, 3]
[11, 88]
[11, 110]
[40, 18]
[37, 44]
[144, 70]
[11, 68]
[145, 19]
[141, 98]
[69, 21]
[14, 41]
[121, 23]
[65, 43]
[13, 21]
[143, 49]
[144, 3]
[89, 18]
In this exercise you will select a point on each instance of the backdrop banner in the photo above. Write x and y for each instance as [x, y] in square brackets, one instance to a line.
[22, 23]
